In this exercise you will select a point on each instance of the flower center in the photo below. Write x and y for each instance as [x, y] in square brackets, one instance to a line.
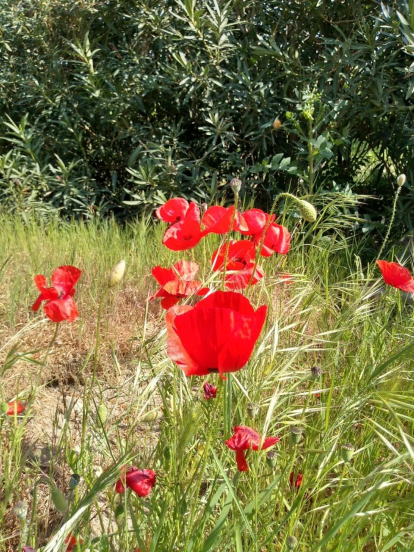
[213, 370]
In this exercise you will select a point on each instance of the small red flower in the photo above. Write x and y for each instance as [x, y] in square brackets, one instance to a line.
[217, 220]
[177, 282]
[277, 240]
[173, 210]
[186, 233]
[59, 298]
[298, 481]
[218, 334]
[240, 264]
[14, 407]
[246, 438]
[71, 542]
[139, 481]
[210, 391]
[256, 220]
[397, 276]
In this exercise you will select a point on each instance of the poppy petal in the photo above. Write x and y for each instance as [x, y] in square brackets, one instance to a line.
[240, 279]
[64, 278]
[41, 282]
[61, 309]
[173, 210]
[182, 235]
[169, 302]
[397, 276]
[269, 442]
[162, 275]
[186, 270]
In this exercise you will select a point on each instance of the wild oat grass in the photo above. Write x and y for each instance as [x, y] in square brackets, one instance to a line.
[354, 412]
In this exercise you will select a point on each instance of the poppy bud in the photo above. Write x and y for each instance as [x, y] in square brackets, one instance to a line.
[316, 372]
[271, 458]
[295, 435]
[252, 410]
[58, 499]
[235, 185]
[401, 180]
[117, 273]
[119, 511]
[4, 408]
[20, 510]
[307, 210]
[347, 451]
[291, 542]
[74, 481]
[277, 124]
[102, 412]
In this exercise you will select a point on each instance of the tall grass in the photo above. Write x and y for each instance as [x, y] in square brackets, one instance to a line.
[331, 315]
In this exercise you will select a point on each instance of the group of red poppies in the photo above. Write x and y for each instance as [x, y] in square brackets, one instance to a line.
[218, 333]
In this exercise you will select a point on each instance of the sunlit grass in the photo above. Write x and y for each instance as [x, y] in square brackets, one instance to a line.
[332, 315]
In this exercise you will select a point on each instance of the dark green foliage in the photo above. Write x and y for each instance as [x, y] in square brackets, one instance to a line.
[111, 107]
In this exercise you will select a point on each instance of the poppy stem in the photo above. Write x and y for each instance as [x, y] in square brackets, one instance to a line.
[227, 398]
[226, 252]
[49, 348]
[98, 334]
[387, 235]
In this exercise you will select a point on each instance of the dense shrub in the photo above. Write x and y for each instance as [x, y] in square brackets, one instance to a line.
[109, 107]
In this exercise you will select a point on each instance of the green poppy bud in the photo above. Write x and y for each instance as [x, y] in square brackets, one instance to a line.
[102, 412]
[58, 499]
[74, 481]
[347, 452]
[4, 408]
[271, 459]
[295, 435]
[291, 542]
[401, 180]
[307, 210]
[20, 510]
[252, 410]
[117, 273]
[235, 185]
[119, 511]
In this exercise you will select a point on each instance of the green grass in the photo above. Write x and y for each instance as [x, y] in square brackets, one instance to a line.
[332, 316]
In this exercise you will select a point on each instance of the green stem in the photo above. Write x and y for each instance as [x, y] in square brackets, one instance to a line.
[227, 398]
[387, 235]
[310, 159]
[52, 342]
[226, 252]
[98, 334]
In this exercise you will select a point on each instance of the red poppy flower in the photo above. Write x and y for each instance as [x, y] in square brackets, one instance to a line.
[184, 234]
[246, 438]
[139, 481]
[240, 264]
[277, 240]
[210, 391]
[217, 334]
[255, 220]
[397, 276]
[59, 298]
[298, 481]
[177, 282]
[71, 542]
[14, 407]
[173, 210]
[217, 220]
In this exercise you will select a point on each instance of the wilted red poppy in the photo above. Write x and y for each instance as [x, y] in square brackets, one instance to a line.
[139, 481]
[14, 407]
[71, 542]
[216, 335]
[240, 264]
[177, 282]
[255, 220]
[184, 234]
[217, 220]
[173, 210]
[210, 391]
[298, 481]
[246, 438]
[397, 276]
[277, 240]
[59, 298]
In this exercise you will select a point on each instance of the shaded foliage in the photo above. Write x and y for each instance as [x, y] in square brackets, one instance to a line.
[111, 107]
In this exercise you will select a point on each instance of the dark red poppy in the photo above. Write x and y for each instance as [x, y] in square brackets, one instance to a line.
[139, 481]
[210, 391]
[14, 407]
[397, 276]
[71, 541]
[246, 438]
[184, 234]
[277, 240]
[240, 264]
[173, 210]
[216, 335]
[298, 481]
[217, 220]
[256, 220]
[177, 282]
[59, 298]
